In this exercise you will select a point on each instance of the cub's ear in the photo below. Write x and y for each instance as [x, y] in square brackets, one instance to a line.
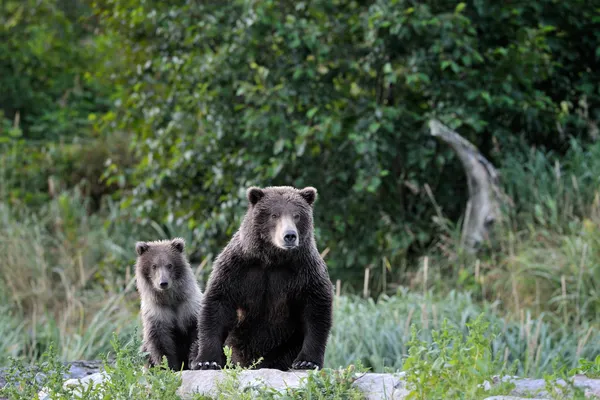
[141, 248]
[309, 194]
[178, 244]
[254, 194]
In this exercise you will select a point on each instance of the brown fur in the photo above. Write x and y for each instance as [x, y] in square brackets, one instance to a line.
[169, 314]
[269, 293]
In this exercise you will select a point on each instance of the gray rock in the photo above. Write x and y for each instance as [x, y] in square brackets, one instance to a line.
[382, 386]
[207, 382]
[77, 369]
[513, 398]
[590, 386]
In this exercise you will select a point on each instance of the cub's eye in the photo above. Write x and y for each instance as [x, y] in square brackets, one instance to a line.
[296, 217]
[153, 266]
[170, 266]
[274, 216]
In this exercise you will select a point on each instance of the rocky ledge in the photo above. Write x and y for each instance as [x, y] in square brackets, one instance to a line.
[374, 386]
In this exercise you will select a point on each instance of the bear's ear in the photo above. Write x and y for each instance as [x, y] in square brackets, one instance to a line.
[254, 194]
[309, 194]
[141, 247]
[178, 244]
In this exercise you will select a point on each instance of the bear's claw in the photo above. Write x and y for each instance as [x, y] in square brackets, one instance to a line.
[206, 365]
[304, 365]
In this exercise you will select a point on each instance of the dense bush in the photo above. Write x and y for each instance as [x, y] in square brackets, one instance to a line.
[49, 101]
[336, 95]
[44, 69]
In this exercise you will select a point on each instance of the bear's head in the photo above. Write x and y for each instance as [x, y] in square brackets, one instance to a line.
[161, 264]
[280, 217]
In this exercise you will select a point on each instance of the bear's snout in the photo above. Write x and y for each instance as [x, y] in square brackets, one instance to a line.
[285, 236]
[290, 238]
[163, 281]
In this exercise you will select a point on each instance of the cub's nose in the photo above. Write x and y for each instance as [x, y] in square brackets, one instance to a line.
[164, 284]
[290, 238]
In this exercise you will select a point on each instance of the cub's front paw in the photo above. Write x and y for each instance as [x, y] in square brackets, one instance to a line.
[199, 364]
[301, 364]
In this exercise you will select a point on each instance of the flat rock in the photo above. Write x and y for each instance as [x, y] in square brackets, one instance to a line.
[374, 386]
[513, 398]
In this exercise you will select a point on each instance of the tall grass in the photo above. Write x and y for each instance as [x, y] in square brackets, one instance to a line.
[377, 332]
[58, 280]
[67, 277]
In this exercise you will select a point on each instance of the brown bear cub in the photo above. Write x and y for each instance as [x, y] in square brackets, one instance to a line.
[170, 302]
[269, 294]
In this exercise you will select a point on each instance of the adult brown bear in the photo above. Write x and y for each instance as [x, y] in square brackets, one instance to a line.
[269, 294]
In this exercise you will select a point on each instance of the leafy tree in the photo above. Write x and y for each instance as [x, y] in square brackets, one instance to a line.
[336, 94]
[49, 100]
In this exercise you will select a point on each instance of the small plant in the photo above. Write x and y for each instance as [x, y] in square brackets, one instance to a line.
[452, 366]
[591, 369]
[229, 386]
[328, 384]
[23, 382]
[559, 385]
[125, 378]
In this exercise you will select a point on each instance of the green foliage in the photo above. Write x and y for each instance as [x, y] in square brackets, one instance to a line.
[328, 384]
[453, 366]
[24, 383]
[335, 95]
[44, 69]
[124, 378]
[49, 102]
[127, 379]
[589, 368]
[560, 386]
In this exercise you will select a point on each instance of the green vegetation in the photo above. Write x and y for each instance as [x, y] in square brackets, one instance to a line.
[123, 120]
[451, 366]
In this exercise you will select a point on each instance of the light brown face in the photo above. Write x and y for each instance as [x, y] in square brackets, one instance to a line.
[285, 234]
[161, 265]
[282, 217]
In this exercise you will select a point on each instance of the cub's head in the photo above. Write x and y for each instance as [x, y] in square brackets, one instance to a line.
[281, 217]
[161, 264]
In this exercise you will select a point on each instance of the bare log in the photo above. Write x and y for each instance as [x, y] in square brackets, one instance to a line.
[485, 194]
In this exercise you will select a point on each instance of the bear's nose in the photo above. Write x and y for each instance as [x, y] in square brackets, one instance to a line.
[290, 237]
[164, 284]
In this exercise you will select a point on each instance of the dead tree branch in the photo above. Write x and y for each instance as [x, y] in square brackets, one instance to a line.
[485, 194]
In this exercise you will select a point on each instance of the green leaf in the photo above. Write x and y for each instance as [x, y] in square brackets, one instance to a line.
[311, 113]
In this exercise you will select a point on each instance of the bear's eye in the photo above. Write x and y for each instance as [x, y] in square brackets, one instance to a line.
[296, 217]
[153, 266]
[274, 216]
[170, 266]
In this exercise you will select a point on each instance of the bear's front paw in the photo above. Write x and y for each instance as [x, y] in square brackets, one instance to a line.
[300, 364]
[205, 365]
